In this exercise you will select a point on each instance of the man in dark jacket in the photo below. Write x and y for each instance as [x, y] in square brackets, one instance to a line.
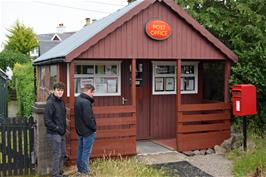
[55, 122]
[85, 127]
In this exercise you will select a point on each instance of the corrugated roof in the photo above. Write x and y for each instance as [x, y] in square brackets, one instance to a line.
[77, 39]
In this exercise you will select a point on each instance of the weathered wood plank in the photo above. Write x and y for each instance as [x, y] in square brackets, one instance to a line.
[203, 127]
[116, 121]
[204, 106]
[113, 109]
[187, 142]
[204, 117]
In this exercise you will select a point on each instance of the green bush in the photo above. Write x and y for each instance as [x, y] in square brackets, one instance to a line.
[23, 76]
[252, 161]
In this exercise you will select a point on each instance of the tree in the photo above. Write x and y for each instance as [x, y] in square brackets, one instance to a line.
[9, 58]
[241, 25]
[21, 39]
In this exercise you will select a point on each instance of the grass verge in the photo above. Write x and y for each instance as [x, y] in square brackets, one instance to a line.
[107, 167]
[253, 161]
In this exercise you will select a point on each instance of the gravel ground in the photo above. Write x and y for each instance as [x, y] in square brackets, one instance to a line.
[215, 165]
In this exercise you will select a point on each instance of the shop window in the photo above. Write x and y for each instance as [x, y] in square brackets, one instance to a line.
[189, 78]
[53, 74]
[42, 76]
[164, 78]
[105, 76]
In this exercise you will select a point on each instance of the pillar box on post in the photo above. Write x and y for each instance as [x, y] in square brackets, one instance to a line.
[244, 104]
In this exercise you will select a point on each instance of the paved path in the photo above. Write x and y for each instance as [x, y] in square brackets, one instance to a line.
[213, 164]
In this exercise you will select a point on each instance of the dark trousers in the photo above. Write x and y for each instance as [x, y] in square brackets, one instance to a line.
[58, 145]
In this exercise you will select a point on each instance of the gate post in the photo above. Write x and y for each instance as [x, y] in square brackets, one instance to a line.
[42, 149]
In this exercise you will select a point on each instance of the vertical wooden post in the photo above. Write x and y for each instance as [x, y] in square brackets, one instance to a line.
[133, 82]
[71, 84]
[178, 99]
[227, 70]
[133, 91]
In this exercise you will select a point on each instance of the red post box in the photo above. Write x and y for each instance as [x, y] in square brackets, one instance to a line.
[244, 99]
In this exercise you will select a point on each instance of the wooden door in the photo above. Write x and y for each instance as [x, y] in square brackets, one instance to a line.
[143, 89]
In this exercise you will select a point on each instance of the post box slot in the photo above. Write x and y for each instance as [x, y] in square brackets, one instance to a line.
[236, 93]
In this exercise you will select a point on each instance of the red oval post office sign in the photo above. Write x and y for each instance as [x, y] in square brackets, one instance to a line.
[158, 29]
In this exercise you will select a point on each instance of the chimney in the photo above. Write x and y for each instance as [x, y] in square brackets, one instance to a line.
[87, 21]
[60, 28]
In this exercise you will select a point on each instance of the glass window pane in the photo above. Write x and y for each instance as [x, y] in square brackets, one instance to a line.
[77, 69]
[188, 84]
[53, 73]
[165, 69]
[80, 82]
[187, 69]
[87, 69]
[99, 69]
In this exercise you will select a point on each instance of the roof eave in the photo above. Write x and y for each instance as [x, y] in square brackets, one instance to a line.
[50, 61]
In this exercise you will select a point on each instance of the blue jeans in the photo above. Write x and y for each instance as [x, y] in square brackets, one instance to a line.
[84, 152]
[58, 145]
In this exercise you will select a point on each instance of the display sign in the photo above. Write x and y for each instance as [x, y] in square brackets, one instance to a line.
[158, 29]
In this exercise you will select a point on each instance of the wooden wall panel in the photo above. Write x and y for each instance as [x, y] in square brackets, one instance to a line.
[130, 41]
[163, 116]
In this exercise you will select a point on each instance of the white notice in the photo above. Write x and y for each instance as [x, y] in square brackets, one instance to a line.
[237, 105]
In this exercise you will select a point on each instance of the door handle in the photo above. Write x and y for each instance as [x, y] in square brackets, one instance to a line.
[124, 100]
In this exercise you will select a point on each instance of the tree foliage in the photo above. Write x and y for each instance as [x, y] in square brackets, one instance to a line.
[21, 39]
[24, 79]
[240, 25]
[9, 58]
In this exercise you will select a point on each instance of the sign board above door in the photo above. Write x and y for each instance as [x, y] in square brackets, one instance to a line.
[158, 29]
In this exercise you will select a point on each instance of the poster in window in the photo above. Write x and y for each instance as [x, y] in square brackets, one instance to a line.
[190, 86]
[169, 84]
[182, 84]
[189, 83]
[85, 81]
[101, 88]
[111, 85]
[159, 84]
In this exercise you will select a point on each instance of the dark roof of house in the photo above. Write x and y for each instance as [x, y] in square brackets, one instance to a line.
[49, 36]
[64, 50]
[46, 42]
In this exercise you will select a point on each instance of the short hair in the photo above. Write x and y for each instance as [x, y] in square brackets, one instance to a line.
[59, 85]
[88, 87]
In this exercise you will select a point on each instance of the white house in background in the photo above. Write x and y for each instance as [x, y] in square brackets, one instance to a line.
[50, 40]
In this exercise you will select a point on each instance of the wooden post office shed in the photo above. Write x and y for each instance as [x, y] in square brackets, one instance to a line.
[158, 75]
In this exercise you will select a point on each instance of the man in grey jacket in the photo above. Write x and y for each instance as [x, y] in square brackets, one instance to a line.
[55, 122]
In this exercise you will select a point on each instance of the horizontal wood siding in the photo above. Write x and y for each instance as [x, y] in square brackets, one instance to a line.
[116, 132]
[201, 126]
[130, 40]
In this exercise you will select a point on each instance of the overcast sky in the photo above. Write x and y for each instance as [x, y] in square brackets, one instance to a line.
[45, 15]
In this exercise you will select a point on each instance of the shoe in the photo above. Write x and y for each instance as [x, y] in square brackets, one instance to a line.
[84, 175]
